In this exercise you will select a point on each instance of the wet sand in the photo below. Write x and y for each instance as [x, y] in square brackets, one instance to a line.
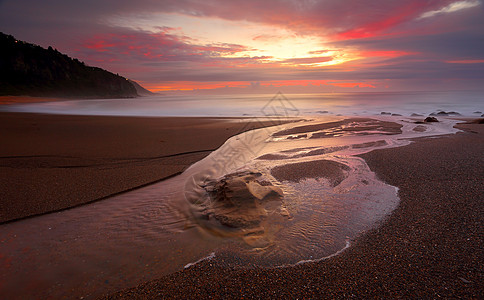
[329, 169]
[430, 246]
[338, 127]
[53, 162]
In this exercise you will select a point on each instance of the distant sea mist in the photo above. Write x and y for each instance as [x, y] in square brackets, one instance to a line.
[466, 103]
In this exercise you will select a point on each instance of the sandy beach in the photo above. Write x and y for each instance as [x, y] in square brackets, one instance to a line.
[430, 246]
[53, 162]
[242, 150]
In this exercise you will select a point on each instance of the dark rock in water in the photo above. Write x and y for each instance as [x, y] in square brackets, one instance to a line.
[482, 115]
[385, 113]
[477, 112]
[443, 113]
[416, 115]
[396, 115]
[430, 119]
[323, 112]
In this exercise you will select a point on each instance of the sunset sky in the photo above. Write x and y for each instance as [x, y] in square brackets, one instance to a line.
[247, 46]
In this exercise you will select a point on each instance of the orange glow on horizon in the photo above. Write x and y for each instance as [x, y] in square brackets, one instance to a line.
[195, 85]
[385, 53]
[192, 85]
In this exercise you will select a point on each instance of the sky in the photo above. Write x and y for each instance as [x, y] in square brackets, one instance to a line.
[249, 46]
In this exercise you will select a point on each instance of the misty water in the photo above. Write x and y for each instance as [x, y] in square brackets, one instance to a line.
[366, 103]
[160, 229]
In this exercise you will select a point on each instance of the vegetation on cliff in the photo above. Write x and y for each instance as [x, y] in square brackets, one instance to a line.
[30, 70]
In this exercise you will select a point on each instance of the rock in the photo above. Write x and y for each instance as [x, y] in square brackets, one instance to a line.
[396, 115]
[262, 192]
[477, 112]
[416, 115]
[430, 119]
[237, 199]
[322, 112]
[420, 128]
[385, 113]
[443, 113]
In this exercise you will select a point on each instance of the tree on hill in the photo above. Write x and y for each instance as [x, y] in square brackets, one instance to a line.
[28, 69]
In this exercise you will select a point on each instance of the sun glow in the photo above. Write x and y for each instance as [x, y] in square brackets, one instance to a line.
[264, 43]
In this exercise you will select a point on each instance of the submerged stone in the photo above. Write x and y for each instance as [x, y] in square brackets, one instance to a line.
[238, 199]
[430, 119]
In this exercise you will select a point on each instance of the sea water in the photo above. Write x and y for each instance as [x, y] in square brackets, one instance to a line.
[467, 103]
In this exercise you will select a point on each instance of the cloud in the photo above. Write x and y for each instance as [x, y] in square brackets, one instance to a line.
[307, 60]
[453, 7]
[362, 40]
[127, 44]
[449, 45]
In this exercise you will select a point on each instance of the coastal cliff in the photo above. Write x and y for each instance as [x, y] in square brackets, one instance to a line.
[30, 70]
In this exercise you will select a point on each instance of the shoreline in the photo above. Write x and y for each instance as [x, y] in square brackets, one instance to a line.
[54, 162]
[429, 246]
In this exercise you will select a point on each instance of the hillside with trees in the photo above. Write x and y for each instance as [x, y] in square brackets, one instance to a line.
[30, 70]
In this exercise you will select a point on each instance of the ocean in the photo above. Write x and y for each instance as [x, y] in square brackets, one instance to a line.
[466, 103]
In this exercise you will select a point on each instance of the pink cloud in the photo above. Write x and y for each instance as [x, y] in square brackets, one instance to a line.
[159, 46]
[402, 46]
[346, 19]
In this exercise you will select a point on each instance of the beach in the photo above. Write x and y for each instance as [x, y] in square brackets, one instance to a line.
[429, 247]
[228, 150]
[53, 162]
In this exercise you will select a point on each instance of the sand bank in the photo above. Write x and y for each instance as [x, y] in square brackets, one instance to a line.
[52, 162]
